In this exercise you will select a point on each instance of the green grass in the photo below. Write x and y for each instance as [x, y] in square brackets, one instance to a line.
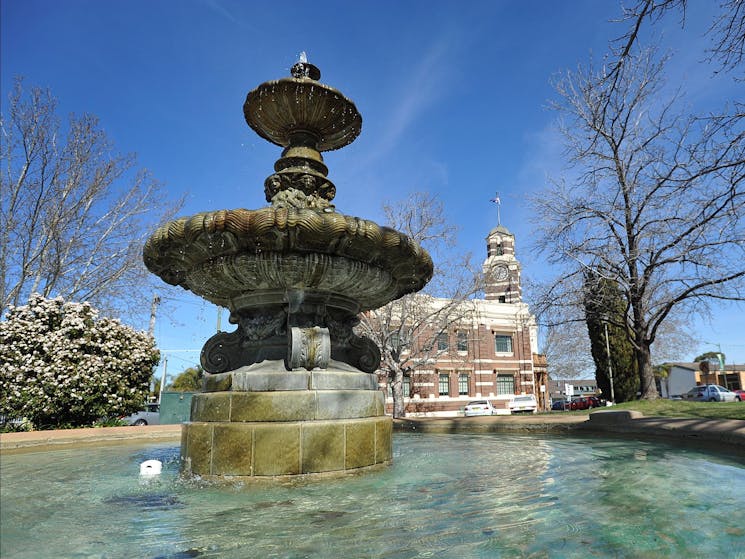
[680, 408]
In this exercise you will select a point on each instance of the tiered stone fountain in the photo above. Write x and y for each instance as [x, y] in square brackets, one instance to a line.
[293, 389]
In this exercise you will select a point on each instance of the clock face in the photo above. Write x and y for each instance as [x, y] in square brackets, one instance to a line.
[501, 273]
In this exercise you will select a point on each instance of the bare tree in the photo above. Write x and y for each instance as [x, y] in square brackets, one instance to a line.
[410, 330]
[729, 36]
[727, 31]
[413, 332]
[567, 350]
[565, 340]
[657, 205]
[75, 214]
[686, 155]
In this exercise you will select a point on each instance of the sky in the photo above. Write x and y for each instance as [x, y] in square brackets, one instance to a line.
[453, 95]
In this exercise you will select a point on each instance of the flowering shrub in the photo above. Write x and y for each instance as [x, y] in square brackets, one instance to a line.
[63, 366]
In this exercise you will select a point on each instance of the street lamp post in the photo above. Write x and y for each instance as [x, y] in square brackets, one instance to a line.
[610, 369]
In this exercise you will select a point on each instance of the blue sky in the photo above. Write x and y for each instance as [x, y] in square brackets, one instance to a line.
[453, 98]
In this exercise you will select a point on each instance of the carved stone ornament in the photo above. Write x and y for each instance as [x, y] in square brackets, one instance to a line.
[262, 332]
[308, 348]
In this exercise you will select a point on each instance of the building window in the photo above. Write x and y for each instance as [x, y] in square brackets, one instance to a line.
[444, 384]
[407, 387]
[505, 384]
[498, 250]
[395, 341]
[503, 298]
[442, 341]
[463, 384]
[502, 344]
[462, 341]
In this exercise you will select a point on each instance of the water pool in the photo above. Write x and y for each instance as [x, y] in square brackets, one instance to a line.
[446, 496]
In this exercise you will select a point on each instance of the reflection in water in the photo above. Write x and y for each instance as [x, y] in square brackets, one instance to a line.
[445, 496]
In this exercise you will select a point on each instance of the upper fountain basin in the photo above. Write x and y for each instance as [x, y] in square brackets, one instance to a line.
[279, 109]
[226, 256]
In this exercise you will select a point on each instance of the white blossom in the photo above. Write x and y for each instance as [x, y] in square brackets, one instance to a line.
[62, 365]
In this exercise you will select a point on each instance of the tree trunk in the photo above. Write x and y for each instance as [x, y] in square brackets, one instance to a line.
[646, 373]
[397, 383]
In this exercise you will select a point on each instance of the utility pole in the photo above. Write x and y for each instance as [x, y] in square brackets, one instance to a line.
[610, 369]
[153, 309]
[163, 377]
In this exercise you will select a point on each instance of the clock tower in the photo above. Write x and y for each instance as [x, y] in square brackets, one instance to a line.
[501, 268]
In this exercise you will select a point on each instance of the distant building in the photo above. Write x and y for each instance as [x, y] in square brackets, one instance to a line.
[580, 387]
[684, 376]
[492, 354]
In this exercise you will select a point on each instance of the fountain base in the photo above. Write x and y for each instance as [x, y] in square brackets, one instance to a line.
[263, 421]
[284, 448]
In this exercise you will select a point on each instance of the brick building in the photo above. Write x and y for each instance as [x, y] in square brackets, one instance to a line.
[491, 352]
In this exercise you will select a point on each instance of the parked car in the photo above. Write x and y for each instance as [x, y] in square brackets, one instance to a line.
[8, 424]
[739, 395]
[559, 405]
[524, 403]
[580, 403]
[710, 393]
[479, 407]
[149, 416]
[695, 393]
[596, 402]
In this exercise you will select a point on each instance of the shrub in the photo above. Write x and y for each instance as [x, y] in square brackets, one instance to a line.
[62, 365]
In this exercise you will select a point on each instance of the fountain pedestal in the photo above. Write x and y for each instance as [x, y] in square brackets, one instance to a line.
[275, 422]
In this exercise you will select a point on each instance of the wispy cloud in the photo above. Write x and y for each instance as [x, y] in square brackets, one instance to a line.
[426, 83]
[218, 6]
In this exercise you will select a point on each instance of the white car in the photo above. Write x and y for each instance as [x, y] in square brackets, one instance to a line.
[524, 403]
[710, 393]
[479, 407]
[149, 416]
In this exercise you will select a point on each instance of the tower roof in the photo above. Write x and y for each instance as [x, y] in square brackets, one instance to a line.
[500, 229]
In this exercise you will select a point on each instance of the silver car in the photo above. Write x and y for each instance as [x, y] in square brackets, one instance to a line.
[710, 393]
[149, 416]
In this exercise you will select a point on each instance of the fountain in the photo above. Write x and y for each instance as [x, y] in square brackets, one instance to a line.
[293, 389]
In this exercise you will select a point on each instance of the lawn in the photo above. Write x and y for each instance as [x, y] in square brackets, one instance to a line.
[680, 408]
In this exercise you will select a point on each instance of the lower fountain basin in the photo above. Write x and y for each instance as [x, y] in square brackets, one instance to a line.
[467, 496]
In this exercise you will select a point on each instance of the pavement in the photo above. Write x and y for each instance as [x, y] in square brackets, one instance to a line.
[63, 438]
[727, 435]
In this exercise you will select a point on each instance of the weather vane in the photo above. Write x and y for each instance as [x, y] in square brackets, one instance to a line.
[498, 202]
